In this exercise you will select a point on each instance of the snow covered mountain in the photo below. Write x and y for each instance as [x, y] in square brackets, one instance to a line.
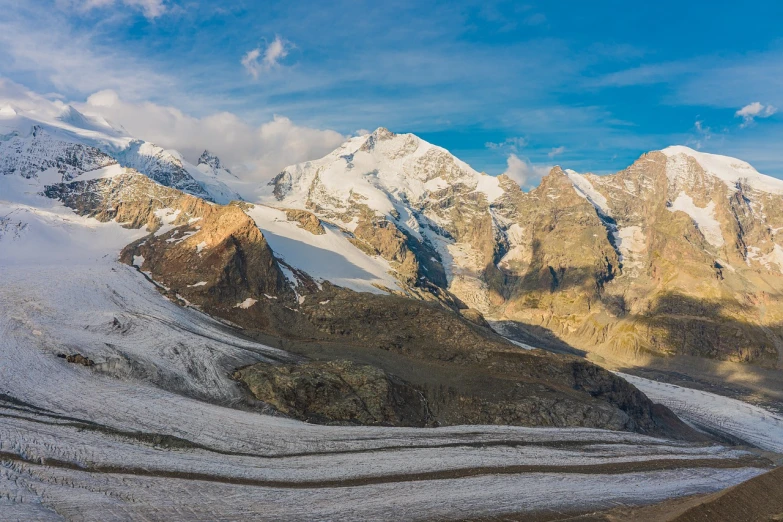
[126, 378]
[70, 143]
[439, 222]
[677, 254]
[581, 255]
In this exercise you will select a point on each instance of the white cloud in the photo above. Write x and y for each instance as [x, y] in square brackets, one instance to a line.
[556, 151]
[41, 42]
[255, 64]
[754, 110]
[255, 153]
[523, 172]
[150, 8]
[702, 135]
[513, 143]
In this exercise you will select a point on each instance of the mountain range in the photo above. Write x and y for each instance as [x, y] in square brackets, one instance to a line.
[387, 284]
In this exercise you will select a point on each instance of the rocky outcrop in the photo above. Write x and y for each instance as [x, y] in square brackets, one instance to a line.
[209, 254]
[467, 373]
[307, 220]
[336, 392]
[215, 258]
[77, 358]
[378, 236]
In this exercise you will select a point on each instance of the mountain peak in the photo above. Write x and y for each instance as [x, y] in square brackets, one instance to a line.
[378, 135]
[383, 133]
[730, 170]
[211, 160]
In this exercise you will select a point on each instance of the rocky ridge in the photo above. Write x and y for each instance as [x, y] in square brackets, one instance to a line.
[678, 254]
[68, 143]
[216, 259]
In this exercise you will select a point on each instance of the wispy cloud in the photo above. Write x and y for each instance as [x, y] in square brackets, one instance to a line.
[702, 135]
[514, 143]
[42, 44]
[754, 110]
[556, 151]
[255, 62]
[151, 8]
[647, 74]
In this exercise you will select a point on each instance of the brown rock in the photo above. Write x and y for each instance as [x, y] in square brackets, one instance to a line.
[307, 220]
[336, 392]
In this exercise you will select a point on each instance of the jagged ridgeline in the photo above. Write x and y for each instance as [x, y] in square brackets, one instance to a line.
[390, 252]
[678, 254]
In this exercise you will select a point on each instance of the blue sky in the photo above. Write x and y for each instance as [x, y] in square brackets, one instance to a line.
[589, 85]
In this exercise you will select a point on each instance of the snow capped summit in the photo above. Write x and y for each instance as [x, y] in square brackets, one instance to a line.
[37, 139]
[383, 171]
[728, 169]
[211, 160]
[411, 202]
[74, 118]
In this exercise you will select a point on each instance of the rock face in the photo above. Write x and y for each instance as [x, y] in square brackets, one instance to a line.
[215, 258]
[210, 254]
[680, 254]
[212, 161]
[306, 220]
[336, 392]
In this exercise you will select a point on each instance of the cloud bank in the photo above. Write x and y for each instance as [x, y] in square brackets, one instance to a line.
[255, 153]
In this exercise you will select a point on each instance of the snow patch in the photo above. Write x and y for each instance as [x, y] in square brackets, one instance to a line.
[247, 303]
[773, 257]
[585, 189]
[328, 257]
[490, 186]
[167, 217]
[631, 242]
[704, 218]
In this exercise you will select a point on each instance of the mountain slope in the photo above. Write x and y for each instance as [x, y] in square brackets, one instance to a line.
[428, 213]
[696, 236]
[214, 258]
[34, 141]
[678, 254]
